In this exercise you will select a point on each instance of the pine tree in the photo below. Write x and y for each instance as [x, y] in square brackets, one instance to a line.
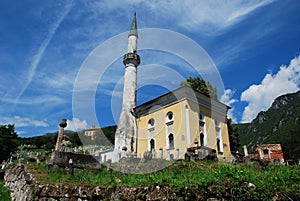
[9, 141]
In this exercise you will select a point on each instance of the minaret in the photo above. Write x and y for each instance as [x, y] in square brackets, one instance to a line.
[125, 137]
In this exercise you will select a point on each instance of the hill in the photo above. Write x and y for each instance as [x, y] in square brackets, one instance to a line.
[48, 140]
[279, 124]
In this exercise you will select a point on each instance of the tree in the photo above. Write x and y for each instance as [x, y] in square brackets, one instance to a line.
[233, 133]
[200, 85]
[9, 141]
[75, 140]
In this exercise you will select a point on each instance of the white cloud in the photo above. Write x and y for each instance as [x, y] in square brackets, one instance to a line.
[23, 121]
[261, 96]
[227, 99]
[76, 124]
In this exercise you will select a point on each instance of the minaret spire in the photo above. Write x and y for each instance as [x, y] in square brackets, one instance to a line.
[133, 30]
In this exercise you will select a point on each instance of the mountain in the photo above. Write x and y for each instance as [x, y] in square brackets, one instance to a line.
[279, 124]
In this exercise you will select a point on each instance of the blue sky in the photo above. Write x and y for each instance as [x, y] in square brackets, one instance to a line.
[46, 46]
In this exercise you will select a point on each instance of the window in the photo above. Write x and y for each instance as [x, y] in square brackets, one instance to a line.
[218, 145]
[169, 116]
[150, 123]
[171, 141]
[201, 116]
[152, 145]
[201, 139]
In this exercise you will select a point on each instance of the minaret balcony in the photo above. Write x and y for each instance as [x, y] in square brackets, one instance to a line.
[131, 58]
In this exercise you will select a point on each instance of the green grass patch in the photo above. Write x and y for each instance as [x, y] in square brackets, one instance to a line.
[212, 179]
[4, 192]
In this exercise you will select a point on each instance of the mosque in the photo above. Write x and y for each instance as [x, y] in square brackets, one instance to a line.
[170, 124]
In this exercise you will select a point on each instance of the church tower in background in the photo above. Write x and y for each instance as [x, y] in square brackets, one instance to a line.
[125, 137]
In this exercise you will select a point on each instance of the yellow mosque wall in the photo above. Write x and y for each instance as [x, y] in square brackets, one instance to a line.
[185, 126]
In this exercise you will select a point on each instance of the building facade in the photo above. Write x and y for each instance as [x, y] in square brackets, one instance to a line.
[91, 132]
[170, 124]
[270, 152]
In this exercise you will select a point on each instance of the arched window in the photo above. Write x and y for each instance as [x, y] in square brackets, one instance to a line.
[152, 144]
[171, 141]
[218, 145]
[201, 139]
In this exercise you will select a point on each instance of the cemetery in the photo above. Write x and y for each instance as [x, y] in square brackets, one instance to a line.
[66, 175]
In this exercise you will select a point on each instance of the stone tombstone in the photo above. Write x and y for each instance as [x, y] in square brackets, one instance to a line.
[245, 150]
[168, 155]
[187, 157]
[276, 161]
[108, 167]
[161, 153]
[71, 167]
[3, 165]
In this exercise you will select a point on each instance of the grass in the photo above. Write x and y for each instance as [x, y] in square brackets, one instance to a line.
[208, 178]
[4, 192]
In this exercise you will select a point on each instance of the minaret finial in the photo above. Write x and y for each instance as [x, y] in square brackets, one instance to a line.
[133, 30]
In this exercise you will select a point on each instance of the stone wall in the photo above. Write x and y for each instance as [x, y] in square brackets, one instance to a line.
[20, 182]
